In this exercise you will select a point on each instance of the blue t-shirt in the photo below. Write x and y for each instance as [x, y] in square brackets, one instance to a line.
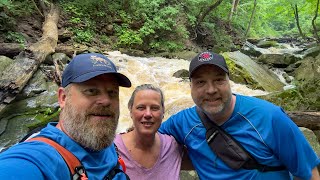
[38, 160]
[262, 128]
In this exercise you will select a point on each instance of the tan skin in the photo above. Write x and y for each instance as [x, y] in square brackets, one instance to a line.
[101, 90]
[90, 111]
[143, 143]
[211, 91]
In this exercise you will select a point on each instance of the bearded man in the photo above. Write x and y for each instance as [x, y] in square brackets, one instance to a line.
[89, 102]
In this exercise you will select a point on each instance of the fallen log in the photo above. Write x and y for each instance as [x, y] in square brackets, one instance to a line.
[70, 50]
[15, 77]
[310, 120]
[10, 49]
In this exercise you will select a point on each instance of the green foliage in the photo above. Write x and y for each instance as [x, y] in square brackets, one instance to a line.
[82, 17]
[6, 4]
[156, 26]
[162, 25]
[164, 46]
[127, 37]
[105, 39]
[275, 17]
[12, 10]
[83, 36]
[15, 37]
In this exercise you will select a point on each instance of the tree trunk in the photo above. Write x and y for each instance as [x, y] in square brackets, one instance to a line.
[296, 16]
[251, 19]
[310, 120]
[207, 11]
[233, 9]
[315, 31]
[16, 76]
[10, 49]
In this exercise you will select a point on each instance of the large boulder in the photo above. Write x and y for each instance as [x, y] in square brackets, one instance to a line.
[255, 76]
[311, 52]
[278, 60]
[308, 76]
[252, 50]
[312, 139]
[35, 106]
[306, 95]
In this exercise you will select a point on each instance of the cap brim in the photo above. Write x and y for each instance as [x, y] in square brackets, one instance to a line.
[221, 67]
[122, 79]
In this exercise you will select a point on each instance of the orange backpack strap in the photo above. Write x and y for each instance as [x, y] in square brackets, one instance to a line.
[75, 167]
[120, 160]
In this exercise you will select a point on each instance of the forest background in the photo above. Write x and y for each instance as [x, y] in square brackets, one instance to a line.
[155, 26]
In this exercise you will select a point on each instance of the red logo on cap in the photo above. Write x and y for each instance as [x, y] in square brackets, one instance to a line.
[205, 56]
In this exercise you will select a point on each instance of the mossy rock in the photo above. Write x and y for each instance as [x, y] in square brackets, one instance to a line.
[4, 63]
[290, 100]
[240, 75]
[267, 44]
[310, 92]
[48, 115]
[188, 175]
[254, 75]
[312, 139]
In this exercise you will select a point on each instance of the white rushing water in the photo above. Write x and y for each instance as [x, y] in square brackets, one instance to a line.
[159, 71]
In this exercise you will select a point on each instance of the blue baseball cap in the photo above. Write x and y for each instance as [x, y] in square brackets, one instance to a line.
[86, 66]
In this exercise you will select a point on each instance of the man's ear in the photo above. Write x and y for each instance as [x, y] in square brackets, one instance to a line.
[62, 97]
[130, 113]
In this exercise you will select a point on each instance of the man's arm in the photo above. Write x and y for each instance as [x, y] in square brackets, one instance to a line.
[186, 163]
[315, 174]
[19, 169]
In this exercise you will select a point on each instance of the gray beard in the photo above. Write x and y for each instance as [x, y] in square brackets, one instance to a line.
[95, 136]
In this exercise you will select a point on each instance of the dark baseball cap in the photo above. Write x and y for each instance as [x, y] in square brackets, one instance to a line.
[86, 66]
[208, 57]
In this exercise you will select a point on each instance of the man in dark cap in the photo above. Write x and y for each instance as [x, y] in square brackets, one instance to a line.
[231, 136]
[89, 102]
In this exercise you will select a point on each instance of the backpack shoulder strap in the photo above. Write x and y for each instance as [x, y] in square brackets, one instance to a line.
[75, 167]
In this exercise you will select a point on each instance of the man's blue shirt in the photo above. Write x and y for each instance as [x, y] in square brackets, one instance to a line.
[38, 160]
[262, 128]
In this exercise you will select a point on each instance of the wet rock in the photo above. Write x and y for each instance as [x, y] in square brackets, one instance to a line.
[286, 78]
[309, 69]
[311, 52]
[278, 60]
[312, 139]
[260, 74]
[36, 105]
[188, 175]
[267, 43]
[183, 73]
[4, 63]
[253, 51]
